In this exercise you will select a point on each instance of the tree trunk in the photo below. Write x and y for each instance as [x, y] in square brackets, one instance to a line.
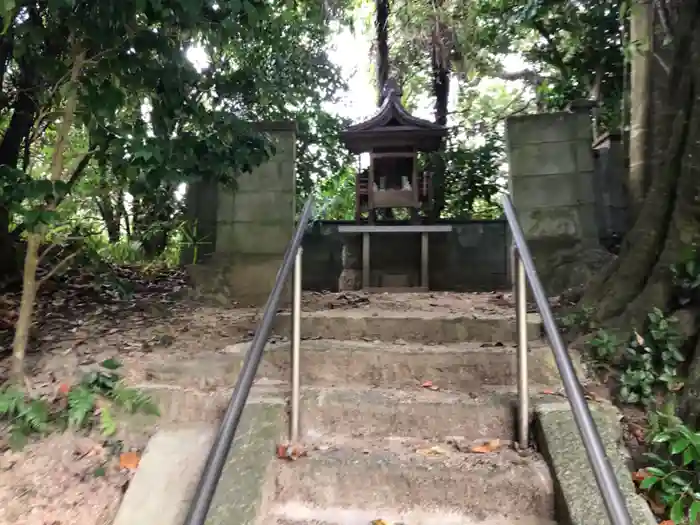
[669, 220]
[441, 69]
[381, 23]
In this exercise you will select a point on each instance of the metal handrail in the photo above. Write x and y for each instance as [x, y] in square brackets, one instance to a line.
[602, 468]
[219, 451]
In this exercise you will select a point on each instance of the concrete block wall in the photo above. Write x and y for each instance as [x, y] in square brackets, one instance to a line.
[551, 180]
[473, 257]
[250, 226]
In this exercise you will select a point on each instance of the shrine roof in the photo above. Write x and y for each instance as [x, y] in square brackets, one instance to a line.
[393, 126]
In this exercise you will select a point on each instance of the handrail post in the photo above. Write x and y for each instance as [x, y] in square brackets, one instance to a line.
[603, 471]
[296, 349]
[521, 328]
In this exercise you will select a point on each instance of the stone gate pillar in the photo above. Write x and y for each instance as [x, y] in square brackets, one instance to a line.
[243, 233]
[551, 182]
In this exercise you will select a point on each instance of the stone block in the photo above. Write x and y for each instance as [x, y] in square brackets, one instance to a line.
[264, 207]
[546, 158]
[276, 174]
[548, 127]
[569, 189]
[561, 222]
[253, 238]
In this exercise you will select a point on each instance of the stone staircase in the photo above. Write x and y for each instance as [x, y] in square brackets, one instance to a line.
[406, 416]
[393, 406]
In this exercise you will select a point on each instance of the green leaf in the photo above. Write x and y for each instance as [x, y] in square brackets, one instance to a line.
[676, 514]
[656, 471]
[648, 482]
[688, 456]
[111, 364]
[679, 445]
[694, 513]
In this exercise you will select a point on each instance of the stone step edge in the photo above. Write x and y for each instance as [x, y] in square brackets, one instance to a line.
[300, 513]
[345, 345]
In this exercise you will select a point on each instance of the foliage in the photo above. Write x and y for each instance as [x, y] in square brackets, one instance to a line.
[576, 49]
[672, 478]
[147, 118]
[581, 319]
[652, 361]
[686, 278]
[473, 175]
[336, 195]
[85, 405]
[604, 347]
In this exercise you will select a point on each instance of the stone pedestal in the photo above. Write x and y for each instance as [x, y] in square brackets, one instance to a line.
[351, 257]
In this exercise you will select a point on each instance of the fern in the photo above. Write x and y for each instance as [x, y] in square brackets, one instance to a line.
[36, 415]
[81, 404]
[11, 402]
[107, 424]
[133, 400]
[30, 416]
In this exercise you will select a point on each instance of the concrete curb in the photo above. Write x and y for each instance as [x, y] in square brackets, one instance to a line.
[578, 500]
[168, 472]
[163, 486]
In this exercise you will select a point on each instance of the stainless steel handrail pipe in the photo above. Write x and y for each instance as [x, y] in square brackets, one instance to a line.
[216, 459]
[602, 468]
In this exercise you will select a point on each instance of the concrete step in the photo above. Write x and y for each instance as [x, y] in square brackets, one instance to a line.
[418, 412]
[392, 474]
[465, 366]
[409, 325]
[296, 513]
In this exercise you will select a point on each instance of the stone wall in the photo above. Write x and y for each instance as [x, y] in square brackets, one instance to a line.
[473, 257]
[551, 181]
[245, 230]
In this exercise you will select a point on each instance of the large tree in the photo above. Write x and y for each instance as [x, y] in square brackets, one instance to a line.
[667, 228]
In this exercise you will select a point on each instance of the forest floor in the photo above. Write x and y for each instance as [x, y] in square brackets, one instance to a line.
[83, 319]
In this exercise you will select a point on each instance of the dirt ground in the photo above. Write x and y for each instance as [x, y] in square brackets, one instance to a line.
[77, 480]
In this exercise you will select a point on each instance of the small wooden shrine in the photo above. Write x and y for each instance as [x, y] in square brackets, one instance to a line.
[393, 138]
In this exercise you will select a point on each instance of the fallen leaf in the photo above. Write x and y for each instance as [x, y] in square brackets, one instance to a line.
[379, 522]
[64, 388]
[435, 451]
[548, 392]
[290, 452]
[640, 475]
[487, 448]
[129, 460]
[427, 384]
[668, 522]
[676, 386]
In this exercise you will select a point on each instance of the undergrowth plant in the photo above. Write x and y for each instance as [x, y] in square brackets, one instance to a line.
[672, 479]
[603, 348]
[86, 405]
[686, 277]
[581, 319]
[651, 362]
